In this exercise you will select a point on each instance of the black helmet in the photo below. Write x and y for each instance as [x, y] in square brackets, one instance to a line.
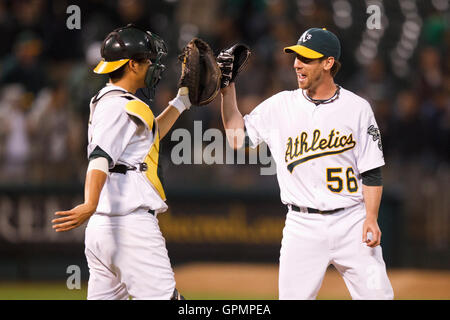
[131, 42]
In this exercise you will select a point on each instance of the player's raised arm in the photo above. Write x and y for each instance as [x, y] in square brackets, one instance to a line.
[176, 107]
[232, 119]
[231, 61]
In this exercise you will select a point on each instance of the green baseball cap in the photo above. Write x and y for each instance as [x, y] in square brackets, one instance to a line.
[316, 43]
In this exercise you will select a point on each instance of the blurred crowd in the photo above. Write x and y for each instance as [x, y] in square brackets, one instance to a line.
[46, 78]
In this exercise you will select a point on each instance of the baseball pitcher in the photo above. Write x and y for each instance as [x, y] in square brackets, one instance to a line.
[327, 148]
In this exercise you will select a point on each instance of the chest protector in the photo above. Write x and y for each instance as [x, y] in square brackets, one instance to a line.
[138, 109]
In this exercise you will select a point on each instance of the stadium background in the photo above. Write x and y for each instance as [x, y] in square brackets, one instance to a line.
[223, 229]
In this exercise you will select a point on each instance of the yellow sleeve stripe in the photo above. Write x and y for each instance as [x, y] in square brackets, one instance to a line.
[142, 111]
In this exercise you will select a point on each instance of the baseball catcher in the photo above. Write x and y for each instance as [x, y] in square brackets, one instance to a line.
[125, 250]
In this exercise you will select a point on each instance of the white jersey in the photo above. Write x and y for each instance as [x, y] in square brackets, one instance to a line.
[320, 151]
[124, 127]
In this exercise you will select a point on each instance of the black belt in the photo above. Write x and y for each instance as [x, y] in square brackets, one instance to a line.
[121, 168]
[311, 210]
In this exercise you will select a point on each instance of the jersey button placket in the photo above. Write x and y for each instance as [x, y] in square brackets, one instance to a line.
[312, 164]
[315, 182]
[330, 232]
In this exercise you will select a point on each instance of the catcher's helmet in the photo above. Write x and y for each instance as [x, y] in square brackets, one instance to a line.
[131, 42]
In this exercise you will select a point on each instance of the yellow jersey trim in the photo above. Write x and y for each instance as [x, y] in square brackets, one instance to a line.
[142, 111]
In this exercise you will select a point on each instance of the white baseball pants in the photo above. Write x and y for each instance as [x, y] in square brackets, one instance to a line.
[127, 257]
[311, 242]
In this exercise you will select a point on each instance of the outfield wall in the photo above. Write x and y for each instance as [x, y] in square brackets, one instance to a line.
[201, 225]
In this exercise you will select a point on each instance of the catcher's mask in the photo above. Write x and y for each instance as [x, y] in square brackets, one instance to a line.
[132, 43]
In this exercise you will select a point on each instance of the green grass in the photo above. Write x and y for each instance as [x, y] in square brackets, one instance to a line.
[41, 291]
[59, 291]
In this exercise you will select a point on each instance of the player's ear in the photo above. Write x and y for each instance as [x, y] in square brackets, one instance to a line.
[133, 65]
[329, 62]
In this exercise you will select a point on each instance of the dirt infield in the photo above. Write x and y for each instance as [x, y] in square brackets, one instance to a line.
[258, 281]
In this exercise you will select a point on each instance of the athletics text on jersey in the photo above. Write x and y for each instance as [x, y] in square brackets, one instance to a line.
[320, 151]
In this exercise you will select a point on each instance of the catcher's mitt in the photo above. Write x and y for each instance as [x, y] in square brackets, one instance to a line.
[200, 72]
[231, 61]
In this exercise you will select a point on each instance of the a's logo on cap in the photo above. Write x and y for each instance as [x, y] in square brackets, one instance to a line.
[305, 37]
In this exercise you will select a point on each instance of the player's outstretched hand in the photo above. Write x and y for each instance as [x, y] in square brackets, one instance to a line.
[73, 218]
[231, 62]
[225, 61]
[371, 226]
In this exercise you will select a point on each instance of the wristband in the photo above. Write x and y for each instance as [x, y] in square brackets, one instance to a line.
[99, 163]
[181, 102]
